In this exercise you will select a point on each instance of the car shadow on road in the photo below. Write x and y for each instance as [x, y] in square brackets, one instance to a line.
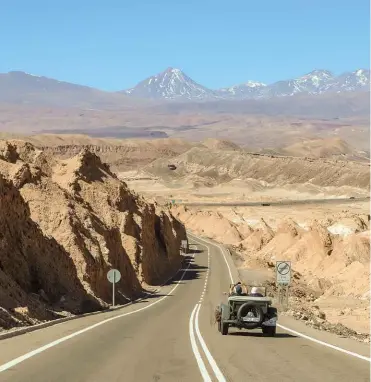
[191, 250]
[192, 273]
[187, 273]
[253, 334]
[187, 259]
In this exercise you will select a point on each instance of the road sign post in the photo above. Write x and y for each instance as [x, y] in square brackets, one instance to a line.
[113, 277]
[283, 280]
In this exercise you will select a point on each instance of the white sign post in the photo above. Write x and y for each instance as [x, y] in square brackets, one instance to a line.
[113, 277]
[184, 246]
[283, 280]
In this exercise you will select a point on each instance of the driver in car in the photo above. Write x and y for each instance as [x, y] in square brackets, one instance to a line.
[238, 290]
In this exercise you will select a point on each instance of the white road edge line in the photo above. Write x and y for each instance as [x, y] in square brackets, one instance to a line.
[32, 353]
[286, 328]
[325, 343]
[219, 375]
[201, 365]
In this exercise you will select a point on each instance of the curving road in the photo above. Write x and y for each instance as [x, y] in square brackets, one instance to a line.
[276, 203]
[172, 337]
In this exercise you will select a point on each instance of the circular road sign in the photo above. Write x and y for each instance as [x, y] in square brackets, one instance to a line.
[283, 268]
[113, 276]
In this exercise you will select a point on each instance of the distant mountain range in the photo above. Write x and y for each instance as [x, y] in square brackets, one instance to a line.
[318, 93]
[175, 84]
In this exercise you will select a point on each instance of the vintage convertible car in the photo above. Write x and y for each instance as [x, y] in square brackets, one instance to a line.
[247, 311]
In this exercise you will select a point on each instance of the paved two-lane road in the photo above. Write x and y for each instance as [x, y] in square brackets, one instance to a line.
[173, 337]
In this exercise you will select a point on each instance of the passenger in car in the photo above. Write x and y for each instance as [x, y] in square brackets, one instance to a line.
[255, 292]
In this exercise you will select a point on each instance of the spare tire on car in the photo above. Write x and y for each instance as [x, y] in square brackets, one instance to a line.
[245, 309]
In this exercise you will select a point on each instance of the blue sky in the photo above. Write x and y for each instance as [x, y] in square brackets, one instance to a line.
[113, 44]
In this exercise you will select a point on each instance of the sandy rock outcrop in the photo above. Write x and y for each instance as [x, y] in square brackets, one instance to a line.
[329, 269]
[347, 226]
[64, 224]
[211, 224]
[31, 262]
[332, 265]
[262, 234]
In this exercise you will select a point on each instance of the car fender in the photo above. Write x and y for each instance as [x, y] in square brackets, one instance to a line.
[270, 322]
[271, 317]
[225, 311]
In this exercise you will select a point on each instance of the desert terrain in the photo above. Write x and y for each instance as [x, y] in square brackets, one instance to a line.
[184, 150]
[280, 130]
[328, 247]
[327, 243]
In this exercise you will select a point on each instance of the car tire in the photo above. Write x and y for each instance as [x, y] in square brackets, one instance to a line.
[269, 331]
[219, 326]
[224, 327]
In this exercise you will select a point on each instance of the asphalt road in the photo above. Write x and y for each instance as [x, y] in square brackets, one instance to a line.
[173, 337]
[277, 203]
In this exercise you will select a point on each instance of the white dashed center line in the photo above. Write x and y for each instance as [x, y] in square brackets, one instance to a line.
[194, 326]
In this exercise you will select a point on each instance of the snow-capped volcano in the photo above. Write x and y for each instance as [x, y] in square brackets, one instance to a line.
[170, 84]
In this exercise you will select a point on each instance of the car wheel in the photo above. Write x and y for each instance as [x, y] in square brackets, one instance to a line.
[219, 326]
[224, 327]
[269, 331]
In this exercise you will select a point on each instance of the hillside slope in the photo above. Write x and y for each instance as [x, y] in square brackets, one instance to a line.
[64, 224]
[224, 166]
[332, 148]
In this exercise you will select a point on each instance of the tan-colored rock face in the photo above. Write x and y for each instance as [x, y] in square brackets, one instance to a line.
[31, 261]
[64, 224]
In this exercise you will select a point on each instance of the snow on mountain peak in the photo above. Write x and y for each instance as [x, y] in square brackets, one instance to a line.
[254, 84]
[363, 76]
[173, 83]
[357, 80]
[175, 71]
[320, 73]
[316, 76]
[32, 75]
[170, 84]
[360, 72]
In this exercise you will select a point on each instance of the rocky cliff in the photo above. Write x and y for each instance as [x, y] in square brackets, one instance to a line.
[63, 225]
